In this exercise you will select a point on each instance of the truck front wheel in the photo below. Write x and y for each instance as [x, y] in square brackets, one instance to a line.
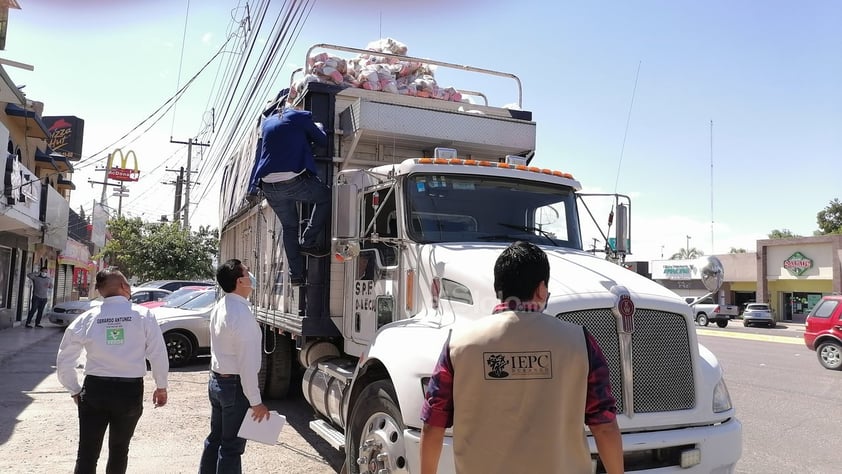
[702, 319]
[375, 441]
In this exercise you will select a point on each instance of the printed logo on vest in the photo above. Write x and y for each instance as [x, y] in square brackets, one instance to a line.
[518, 365]
[114, 336]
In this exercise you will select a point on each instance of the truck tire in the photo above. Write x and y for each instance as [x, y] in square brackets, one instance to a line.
[279, 368]
[376, 428]
[722, 323]
[702, 319]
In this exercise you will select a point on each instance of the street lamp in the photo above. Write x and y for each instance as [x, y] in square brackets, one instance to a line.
[688, 247]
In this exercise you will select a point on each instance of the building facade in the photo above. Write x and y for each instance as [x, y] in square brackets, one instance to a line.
[790, 274]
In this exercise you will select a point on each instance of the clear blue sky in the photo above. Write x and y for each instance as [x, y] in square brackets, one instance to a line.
[767, 74]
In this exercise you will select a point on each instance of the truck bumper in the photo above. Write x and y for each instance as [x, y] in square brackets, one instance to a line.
[719, 448]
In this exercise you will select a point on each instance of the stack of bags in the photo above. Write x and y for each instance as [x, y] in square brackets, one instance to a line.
[377, 73]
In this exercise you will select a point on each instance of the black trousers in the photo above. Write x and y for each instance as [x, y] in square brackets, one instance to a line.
[107, 402]
[36, 305]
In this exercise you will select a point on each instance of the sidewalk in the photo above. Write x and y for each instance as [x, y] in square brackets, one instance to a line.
[18, 338]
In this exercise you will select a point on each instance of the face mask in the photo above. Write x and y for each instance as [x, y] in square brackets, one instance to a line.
[252, 280]
[43, 274]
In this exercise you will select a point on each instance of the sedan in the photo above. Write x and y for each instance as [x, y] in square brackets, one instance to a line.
[62, 314]
[176, 298]
[758, 314]
[186, 327]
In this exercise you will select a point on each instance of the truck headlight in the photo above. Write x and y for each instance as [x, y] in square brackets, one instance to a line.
[721, 397]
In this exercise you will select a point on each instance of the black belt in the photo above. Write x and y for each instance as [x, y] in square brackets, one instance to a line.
[225, 376]
[116, 379]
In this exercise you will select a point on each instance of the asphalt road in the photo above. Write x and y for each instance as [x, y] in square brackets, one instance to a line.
[788, 404]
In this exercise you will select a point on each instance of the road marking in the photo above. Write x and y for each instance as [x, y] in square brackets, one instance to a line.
[752, 337]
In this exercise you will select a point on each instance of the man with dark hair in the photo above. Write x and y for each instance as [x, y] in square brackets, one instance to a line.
[118, 337]
[41, 286]
[235, 362]
[518, 385]
[286, 171]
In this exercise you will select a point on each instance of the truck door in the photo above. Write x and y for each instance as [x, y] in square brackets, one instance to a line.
[373, 273]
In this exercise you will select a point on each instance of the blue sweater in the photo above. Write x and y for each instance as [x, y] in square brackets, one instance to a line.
[285, 145]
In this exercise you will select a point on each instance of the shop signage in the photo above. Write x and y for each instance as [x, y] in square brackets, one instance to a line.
[797, 264]
[123, 173]
[66, 134]
[678, 272]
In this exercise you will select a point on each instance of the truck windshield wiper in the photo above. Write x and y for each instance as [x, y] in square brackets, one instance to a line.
[525, 228]
[501, 237]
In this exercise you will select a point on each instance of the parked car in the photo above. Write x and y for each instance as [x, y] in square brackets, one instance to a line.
[706, 311]
[64, 313]
[758, 313]
[186, 327]
[173, 285]
[176, 298]
[823, 331]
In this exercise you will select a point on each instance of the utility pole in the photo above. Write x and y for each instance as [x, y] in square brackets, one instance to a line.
[687, 248]
[189, 144]
[179, 187]
[104, 183]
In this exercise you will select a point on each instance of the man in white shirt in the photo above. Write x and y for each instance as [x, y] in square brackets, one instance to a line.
[118, 337]
[235, 362]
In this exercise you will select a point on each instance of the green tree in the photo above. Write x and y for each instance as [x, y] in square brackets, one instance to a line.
[160, 251]
[737, 250]
[782, 234]
[687, 254]
[830, 218]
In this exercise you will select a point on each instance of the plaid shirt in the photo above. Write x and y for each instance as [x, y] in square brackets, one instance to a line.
[600, 407]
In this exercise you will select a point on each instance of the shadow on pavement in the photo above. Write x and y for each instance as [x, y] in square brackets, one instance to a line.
[32, 362]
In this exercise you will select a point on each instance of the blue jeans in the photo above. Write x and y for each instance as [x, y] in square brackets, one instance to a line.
[228, 408]
[283, 198]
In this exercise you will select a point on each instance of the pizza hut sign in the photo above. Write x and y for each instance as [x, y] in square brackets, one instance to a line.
[797, 264]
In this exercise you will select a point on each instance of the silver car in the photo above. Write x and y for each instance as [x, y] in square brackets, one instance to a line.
[62, 314]
[758, 314]
[185, 327]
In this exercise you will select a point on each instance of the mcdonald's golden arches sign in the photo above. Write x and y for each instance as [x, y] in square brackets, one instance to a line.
[123, 173]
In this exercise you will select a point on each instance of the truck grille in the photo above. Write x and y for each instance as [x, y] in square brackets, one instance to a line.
[661, 358]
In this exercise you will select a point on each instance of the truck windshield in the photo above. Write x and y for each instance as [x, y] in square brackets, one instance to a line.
[469, 208]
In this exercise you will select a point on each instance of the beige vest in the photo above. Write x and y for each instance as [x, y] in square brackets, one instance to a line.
[519, 389]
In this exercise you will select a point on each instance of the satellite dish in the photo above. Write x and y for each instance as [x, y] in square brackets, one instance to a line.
[711, 272]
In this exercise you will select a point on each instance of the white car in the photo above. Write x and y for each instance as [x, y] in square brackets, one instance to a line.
[185, 328]
[62, 314]
[758, 313]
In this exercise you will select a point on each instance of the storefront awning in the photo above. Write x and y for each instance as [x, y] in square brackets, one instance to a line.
[61, 161]
[44, 160]
[29, 120]
[62, 183]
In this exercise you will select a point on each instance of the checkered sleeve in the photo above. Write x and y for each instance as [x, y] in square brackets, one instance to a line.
[601, 406]
[438, 404]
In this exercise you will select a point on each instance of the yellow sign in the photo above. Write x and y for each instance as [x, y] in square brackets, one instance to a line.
[122, 173]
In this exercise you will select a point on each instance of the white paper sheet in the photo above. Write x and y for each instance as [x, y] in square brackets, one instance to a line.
[266, 432]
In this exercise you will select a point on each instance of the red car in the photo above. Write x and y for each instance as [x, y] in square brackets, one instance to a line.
[823, 332]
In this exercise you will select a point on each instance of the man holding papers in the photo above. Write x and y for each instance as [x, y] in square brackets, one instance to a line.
[235, 362]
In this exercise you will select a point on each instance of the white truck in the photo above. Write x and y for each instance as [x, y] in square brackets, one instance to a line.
[426, 194]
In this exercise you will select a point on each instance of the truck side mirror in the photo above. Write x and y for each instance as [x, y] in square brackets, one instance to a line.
[711, 273]
[622, 229]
